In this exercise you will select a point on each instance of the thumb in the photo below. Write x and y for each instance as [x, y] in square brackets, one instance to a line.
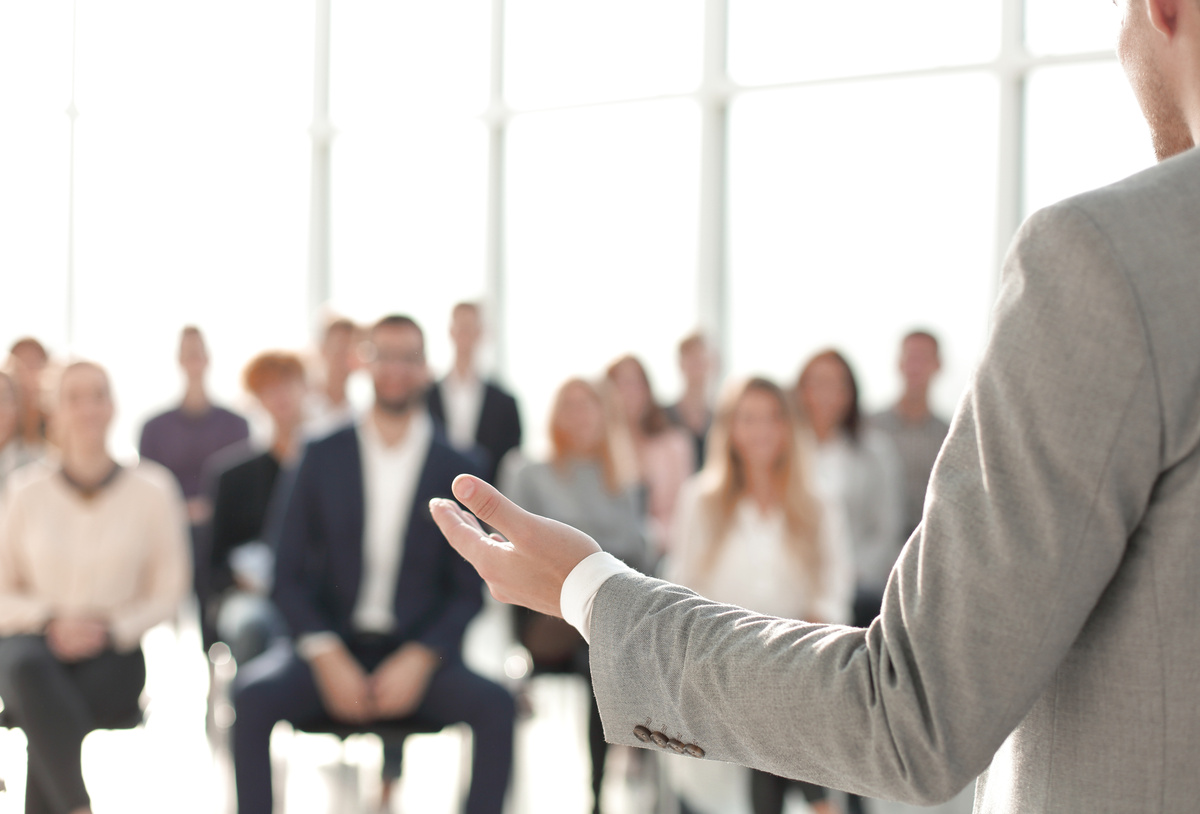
[491, 507]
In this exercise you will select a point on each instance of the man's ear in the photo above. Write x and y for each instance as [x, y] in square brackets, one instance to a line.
[1164, 15]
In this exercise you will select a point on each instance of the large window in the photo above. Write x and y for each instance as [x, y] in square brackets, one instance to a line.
[605, 176]
[409, 83]
[843, 233]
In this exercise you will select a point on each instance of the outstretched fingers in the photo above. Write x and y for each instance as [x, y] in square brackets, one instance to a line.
[491, 507]
[462, 531]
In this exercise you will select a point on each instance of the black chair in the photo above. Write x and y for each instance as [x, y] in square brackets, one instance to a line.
[134, 720]
[395, 731]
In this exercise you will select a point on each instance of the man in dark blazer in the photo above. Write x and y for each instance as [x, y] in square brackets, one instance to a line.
[478, 414]
[375, 599]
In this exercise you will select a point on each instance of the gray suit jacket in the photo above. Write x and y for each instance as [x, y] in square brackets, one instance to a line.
[1043, 624]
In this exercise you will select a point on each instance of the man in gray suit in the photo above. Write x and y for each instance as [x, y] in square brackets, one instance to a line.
[1043, 624]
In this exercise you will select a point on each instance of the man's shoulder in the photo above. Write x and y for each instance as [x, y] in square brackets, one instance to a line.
[227, 417]
[444, 458]
[1151, 199]
[335, 444]
[236, 459]
[162, 420]
[497, 391]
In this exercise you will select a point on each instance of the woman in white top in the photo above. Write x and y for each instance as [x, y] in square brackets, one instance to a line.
[92, 555]
[752, 532]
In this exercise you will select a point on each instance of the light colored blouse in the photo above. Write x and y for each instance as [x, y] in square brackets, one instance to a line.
[865, 479]
[121, 554]
[755, 570]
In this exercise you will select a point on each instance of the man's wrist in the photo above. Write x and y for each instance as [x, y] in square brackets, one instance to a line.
[313, 645]
[581, 585]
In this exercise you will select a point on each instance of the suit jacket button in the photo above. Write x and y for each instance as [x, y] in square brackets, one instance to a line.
[642, 734]
[660, 740]
[693, 750]
[675, 746]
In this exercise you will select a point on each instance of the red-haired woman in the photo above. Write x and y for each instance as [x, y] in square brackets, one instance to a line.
[664, 452]
[752, 532]
[242, 486]
[589, 482]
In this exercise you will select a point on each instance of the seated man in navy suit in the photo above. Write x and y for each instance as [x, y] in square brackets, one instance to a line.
[376, 601]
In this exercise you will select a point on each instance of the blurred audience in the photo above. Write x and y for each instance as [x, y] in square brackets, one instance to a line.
[916, 432]
[588, 485]
[857, 466]
[92, 555]
[329, 407]
[182, 440]
[377, 600]
[476, 412]
[28, 361]
[693, 411]
[752, 531]
[664, 453]
[243, 490]
[14, 451]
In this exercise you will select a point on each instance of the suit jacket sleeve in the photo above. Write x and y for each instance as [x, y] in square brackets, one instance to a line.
[510, 428]
[298, 556]
[222, 533]
[1047, 471]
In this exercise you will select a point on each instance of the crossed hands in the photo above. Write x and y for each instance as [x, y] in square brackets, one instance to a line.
[526, 563]
[393, 690]
[75, 638]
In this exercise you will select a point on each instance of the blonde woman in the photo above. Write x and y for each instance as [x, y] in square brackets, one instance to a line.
[752, 532]
[92, 555]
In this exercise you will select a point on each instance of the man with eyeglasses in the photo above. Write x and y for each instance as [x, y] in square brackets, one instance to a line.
[375, 599]
[1041, 626]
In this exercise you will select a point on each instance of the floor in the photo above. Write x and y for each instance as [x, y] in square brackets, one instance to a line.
[172, 764]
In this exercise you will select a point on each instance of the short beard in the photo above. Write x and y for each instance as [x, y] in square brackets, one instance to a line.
[399, 407]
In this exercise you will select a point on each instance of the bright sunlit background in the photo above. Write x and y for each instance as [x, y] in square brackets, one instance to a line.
[605, 176]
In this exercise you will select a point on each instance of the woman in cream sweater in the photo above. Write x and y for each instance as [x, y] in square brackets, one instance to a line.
[92, 555]
[753, 532]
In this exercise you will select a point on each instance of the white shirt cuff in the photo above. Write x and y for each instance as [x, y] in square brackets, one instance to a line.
[580, 587]
[311, 645]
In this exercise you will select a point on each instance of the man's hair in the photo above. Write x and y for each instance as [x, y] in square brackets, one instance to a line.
[271, 367]
[29, 343]
[396, 321]
[339, 324]
[921, 333]
[691, 342]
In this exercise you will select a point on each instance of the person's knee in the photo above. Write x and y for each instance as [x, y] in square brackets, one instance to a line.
[27, 665]
[253, 704]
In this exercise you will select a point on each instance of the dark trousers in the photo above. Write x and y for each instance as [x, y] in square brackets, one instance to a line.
[279, 686]
[867, 605]
[767, 791]
[57, 704]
